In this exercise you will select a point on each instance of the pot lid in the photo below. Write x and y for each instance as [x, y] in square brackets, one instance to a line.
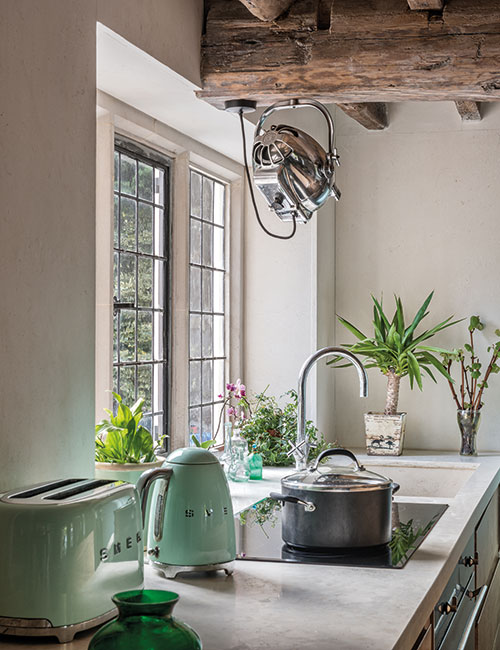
[336, 478]
[192, 456]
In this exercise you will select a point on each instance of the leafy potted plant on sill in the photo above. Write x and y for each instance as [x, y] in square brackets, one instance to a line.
[269, 429]
[124, 449]
[397, 351]
[468, 398]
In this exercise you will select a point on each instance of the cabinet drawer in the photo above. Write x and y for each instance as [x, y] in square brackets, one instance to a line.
[427, 641]
[488, 624]
[454, 592]
[456, 629]
[487, 543]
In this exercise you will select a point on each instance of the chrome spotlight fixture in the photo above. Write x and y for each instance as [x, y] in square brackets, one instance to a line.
[293, 172]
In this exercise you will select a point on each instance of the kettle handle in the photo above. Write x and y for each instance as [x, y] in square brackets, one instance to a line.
[298, 103]
[144, 483]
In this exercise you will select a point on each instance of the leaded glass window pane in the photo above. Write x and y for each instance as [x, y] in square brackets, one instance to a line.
[141, 257]
[207, 318]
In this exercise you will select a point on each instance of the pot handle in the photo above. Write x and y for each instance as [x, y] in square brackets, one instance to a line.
[337, 451]
[395, 487]
[287, 498]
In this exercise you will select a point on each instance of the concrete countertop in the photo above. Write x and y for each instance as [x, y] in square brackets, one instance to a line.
[276, 605]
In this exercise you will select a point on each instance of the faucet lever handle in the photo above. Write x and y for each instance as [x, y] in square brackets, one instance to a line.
[296, 448]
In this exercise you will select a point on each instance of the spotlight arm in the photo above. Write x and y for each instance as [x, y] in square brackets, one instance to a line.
[300, 103]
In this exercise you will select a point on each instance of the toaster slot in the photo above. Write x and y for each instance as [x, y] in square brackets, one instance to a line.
[84, 486]
[42, 489]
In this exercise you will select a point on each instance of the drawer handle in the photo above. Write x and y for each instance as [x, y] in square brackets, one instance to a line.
[468, 560]
[472, 618]
[448, 608]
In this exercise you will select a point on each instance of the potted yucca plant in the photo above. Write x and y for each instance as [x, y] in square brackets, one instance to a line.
[397, 351]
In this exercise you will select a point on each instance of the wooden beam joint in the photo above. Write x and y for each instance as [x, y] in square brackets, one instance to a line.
[267, 10]
[426, 5]
[468, 111]
[371, 115]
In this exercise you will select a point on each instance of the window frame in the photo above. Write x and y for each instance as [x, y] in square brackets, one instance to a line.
[226, 270]
[117, 119]
[148, 155]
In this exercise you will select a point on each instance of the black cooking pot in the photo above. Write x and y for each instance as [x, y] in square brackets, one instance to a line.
[336, 507]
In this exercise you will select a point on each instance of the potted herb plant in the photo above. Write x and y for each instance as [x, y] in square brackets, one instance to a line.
[124, 448]
[397, 351]
[270, 428]
[468, 395]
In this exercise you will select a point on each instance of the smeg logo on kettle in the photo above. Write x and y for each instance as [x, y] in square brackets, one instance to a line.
[104, 553]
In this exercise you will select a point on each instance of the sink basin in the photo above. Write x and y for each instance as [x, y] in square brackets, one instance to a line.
[424, 480]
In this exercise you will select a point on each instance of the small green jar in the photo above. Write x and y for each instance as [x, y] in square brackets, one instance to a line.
[144, 622]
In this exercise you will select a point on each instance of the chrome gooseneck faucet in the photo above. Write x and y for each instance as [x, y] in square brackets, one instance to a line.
[302, 445]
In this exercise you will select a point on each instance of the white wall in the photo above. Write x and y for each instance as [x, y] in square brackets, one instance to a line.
[47, 218]
[419, 211]
[168, 30]
[47, 172]
[289, 294]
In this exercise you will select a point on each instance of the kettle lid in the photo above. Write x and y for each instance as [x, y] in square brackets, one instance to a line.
[192, 456]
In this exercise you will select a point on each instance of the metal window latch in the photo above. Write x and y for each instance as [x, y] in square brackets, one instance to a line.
[121, 305]
[468, 560]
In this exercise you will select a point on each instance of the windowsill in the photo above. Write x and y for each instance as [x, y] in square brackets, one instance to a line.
[244, 494]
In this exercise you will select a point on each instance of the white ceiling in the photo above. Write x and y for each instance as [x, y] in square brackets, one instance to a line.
[136, 78]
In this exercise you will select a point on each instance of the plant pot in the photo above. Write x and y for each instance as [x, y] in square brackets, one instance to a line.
[128, 472]
[468, 422]
[385, 433]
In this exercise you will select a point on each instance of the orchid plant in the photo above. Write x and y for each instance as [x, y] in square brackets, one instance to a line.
[236, 404]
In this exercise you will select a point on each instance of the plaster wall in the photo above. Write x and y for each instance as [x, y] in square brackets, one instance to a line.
[47, 219]
[47, 180]
[168, 31]
[419, 211]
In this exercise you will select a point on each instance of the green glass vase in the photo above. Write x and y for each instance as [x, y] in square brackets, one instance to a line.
[145, 622]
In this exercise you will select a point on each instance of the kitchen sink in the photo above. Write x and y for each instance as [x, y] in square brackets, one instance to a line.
[416, 479]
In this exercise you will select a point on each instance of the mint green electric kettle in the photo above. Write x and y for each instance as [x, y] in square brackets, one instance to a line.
[190, 524]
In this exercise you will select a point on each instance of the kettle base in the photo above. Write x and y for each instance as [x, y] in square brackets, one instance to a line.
[43, 627]
[171, 571]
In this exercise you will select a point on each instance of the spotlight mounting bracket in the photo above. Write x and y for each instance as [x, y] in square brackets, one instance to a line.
[240, 105]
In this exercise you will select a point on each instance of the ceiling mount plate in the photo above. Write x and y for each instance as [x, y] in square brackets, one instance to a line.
[240, 105]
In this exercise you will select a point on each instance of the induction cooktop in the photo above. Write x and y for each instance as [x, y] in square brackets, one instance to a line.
[258, 537]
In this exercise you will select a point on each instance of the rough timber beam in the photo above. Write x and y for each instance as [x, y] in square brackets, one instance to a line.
[372, 116]
[371, 51]
[468, 111]
[267, 9]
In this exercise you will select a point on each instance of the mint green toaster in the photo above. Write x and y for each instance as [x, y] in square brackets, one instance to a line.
[65, 548]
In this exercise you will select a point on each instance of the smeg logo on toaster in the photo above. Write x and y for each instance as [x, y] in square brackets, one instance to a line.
[104, 553]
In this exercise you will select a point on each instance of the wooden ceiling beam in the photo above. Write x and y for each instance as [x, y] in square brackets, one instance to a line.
[372, 116]
[468, 111]
[370, 52]
[267, 10]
